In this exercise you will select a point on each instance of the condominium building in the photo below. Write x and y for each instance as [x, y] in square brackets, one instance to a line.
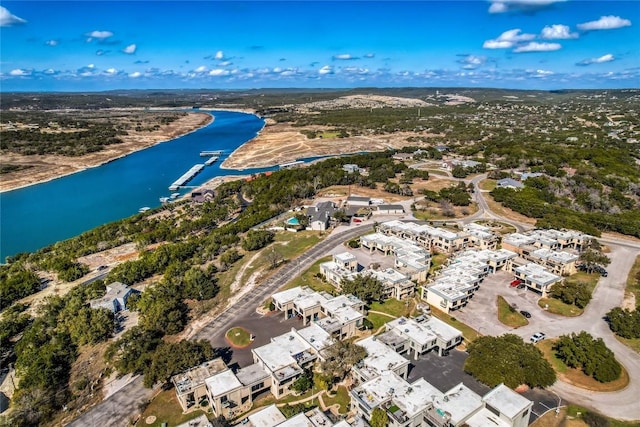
[421, 335]
[380, 358]
[420, 404]
[536, 278]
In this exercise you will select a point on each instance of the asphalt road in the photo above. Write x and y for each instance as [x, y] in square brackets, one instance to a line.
[119, 407]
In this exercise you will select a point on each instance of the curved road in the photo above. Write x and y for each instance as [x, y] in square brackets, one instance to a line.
[116, 410]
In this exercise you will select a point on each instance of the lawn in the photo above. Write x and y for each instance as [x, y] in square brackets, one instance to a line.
[468, 332]
[633, 281]
[341, 397]
[437, 261]
[393, 307]
[556, 306]
[327, 135]
[510, 316]
[487, 184]
[633, 343]
[308, 278]
[378, 320]
[166, 409]
[575, 376]
[238, 337]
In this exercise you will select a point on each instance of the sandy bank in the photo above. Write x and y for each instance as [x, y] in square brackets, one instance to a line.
[48, 167]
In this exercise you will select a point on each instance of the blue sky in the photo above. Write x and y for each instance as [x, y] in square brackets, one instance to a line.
[526, 44]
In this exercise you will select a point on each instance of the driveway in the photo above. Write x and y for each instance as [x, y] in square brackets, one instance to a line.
[481, 314]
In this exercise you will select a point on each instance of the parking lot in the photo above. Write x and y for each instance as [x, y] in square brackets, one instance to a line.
[445, 372]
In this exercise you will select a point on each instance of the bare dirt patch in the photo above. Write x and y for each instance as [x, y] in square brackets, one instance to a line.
[47, 167]
[341, 192]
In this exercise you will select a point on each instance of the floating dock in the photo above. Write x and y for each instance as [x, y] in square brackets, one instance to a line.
[186, 177]
[211, 153]
[290, 164]
[211, 161]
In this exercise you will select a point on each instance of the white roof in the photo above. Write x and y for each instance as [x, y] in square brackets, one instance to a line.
[317, 337]
[537, 274]
[345, 257]
[484, 418]
[267, 417]
[380, 357]
[222, 383]
[299, 420]
[444, 331]
[289, 295]
[413, 330]
[280, 351]
[507, 401]
[460, 402]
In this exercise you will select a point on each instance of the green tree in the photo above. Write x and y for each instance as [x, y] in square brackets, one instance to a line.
[339, 358]
[257, 239]
[303, 383]
[625, 323]
[509, 360]
[365, 287]
[591, 355]
[379, 418]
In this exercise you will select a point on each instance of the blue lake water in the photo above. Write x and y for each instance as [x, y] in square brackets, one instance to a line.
[39, 215]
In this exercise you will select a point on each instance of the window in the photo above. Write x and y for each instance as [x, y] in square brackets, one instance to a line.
[244, 400]
[256, 387]
[223, 399]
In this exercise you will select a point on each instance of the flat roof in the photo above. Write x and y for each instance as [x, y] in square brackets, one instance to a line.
[195, 377]
[267, 417]
[251, 374]
[507, 401]
[289, 295]
[299, 420]
[484, 418]
[415, 331]
[460, 402]
[537, 274]
[317, 337]
[280, 351]
[222, 383]
[345, 257]
[380, 358]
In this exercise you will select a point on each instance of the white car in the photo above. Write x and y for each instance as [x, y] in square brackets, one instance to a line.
[538, 336]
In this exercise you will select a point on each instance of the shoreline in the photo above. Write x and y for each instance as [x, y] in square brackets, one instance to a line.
[210, 120]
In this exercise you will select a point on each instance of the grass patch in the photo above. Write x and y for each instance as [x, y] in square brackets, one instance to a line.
[432, 211]
[558, 307]
[577, 412]
[510, 316]
[437, 172]
[487, 184]
[341, 398]
[308, 278]
[393, 307]
[632, 343]
[633, 281]
[468, 332]
[268, 399]
[575, 376]
[590, 280]
[326, 134]
[294, 244]
[378, 320]
[238, 337]
[437, 261]
[166, 409]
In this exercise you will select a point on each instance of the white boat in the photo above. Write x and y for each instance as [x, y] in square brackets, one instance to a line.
[144, 209]
[175, 195]
[164, 199]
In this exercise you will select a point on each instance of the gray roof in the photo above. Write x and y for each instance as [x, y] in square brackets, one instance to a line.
[321, 212]
[509, 182]
[390, 207]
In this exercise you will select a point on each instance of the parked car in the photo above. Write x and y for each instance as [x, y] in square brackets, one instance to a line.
[521, 286]
[525, 314]
[515, 283]
[102, 267]
[537, 337]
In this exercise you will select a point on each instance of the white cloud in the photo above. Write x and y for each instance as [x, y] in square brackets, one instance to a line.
[131, 49]
[19, 72]
[100, 35]
[219, 55]
[609, 22]
[557, 32]
[219, 72]
[344, 57]
[225, 63]
[600, 60]
[471, 62]
[495, 44]
[369, 55]
[537, 47]
[50, 71]
[325, 70]
[8, 19]
[200, 69]
[502, 6]
[135, 74]
[51, 43]
[508, 39]
[111, 71]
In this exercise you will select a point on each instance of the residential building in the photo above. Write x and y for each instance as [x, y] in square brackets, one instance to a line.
[425, 334]
[115, 299]
[436, 239]
[420, 404]
[509, 183]
[190, 386]
[358, 201]
[536, 278]
[380, 358]
[411, 259]
[320, 215]
[481, 236]
[388, 209]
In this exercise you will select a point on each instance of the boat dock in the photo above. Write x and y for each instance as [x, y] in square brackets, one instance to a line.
[290, 164]
[211, 153]
[211, 161]
[186, 177]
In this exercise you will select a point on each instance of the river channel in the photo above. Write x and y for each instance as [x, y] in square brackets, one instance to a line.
[42, 214]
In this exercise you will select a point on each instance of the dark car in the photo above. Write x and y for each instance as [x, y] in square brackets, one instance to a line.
[525, 314]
